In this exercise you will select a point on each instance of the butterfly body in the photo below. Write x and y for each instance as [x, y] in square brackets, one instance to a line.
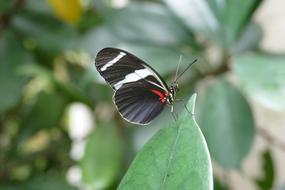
[140, 92]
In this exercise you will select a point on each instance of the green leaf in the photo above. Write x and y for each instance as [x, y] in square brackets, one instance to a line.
[44, 113]
[98, 38]
[103, 157]
[138, 22]
[6, 6]
[227, 122]
[46, 182]
[265, 84]
[137, 25]
[249, 39]
[103, 7]
[45, 31]
[220, 21]
[266, 182]
[175, 158]
[12, 57]
[36, 6]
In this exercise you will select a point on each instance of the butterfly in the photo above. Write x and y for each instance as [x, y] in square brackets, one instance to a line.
[140, 92]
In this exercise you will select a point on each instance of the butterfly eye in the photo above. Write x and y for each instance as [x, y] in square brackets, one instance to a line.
[174, 86]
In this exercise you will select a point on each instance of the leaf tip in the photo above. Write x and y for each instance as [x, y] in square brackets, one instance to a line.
[191, 103]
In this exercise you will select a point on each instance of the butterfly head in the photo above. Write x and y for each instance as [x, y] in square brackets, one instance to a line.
[173, 89]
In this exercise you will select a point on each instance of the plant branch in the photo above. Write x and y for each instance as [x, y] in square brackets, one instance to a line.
[221, 69]
[271, 139]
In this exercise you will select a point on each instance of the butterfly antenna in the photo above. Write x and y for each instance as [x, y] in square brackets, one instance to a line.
[177, 69]
[184, 71]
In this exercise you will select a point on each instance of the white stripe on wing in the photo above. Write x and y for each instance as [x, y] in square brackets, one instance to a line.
[113, 61]
[132, 77]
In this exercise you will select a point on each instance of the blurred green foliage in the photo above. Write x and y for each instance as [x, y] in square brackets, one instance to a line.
[46, 65]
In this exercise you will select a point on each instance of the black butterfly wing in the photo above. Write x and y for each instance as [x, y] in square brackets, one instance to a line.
[138, 103]
[115, 65]
[140, 93]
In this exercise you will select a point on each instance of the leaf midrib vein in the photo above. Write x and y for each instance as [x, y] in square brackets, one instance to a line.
[170, 158]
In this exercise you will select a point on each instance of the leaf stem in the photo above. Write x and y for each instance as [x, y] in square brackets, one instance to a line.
[221, 69]
[271, 139]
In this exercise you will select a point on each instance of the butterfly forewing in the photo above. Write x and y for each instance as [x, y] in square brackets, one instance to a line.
[115, 65]
[139, 90]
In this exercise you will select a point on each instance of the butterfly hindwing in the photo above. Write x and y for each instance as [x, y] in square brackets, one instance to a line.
[137, 102]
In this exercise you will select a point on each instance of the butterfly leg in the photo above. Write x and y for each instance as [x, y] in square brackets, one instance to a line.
[174, 115]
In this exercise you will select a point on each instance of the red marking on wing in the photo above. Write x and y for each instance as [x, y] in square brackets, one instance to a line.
[158, 93]
[162, 97]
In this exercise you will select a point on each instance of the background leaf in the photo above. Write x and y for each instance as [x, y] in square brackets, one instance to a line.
[45, 113]
[175, 158]
[53, 36]
[219, 21]
[12, 57]
[145, 28]
[41, 182]
[265, 84]
[249, 39]
[103, 156]
[227, 122]
[6, 6]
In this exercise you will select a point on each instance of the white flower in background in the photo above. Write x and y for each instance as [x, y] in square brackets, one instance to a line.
[73, 176]
[80, 125]
[80, 121]
[119, 3]
[77, 149]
